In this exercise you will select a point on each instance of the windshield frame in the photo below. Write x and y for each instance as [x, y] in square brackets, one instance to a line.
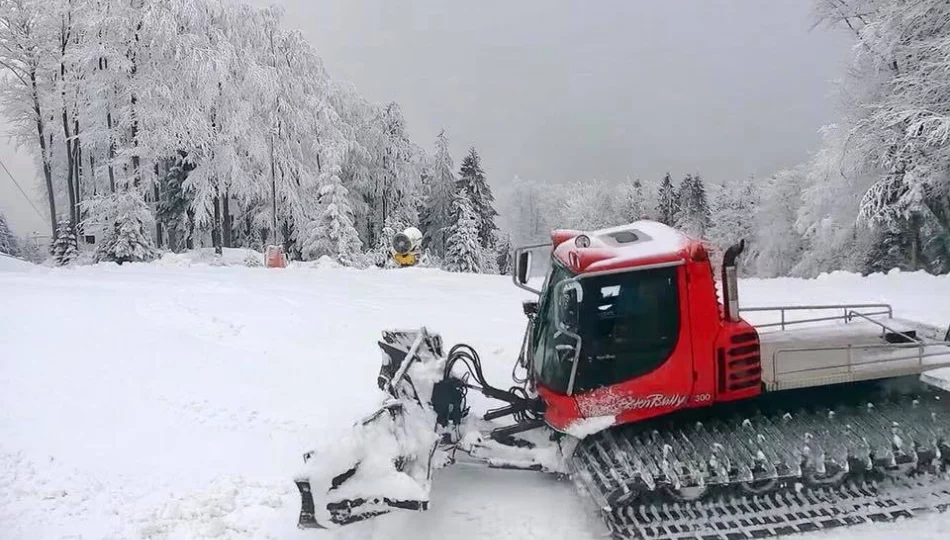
[578, 278]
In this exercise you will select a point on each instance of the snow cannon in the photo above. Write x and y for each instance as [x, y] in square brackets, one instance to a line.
[406, 247]
[274, 257]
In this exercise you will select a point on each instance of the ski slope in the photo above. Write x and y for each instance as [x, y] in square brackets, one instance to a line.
[174, 400]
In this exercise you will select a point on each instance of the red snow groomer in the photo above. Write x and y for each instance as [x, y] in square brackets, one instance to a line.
[675, 416]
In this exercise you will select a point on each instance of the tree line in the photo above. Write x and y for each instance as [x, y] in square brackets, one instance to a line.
[720, 216]
[174, 124]
[874, 197]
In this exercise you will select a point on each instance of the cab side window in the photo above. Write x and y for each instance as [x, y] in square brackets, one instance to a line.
[546, 362]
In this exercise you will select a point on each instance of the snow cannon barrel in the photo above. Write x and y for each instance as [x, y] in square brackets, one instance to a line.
[730, 282]
[406, 246]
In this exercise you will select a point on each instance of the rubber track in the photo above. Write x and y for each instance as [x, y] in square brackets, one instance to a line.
[781, 513]
[632, 473]
[763, 447]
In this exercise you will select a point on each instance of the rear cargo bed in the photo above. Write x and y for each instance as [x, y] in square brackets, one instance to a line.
[840, 351]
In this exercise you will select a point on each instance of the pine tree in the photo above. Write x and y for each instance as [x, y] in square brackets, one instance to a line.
[632, 204]
[488, 261]
[463, 249]
[65, 248]
[437, 217]
[935, 240]
[504, 254]
[667, 205]
[129, 239]
[8, 243]
[472, 182]
[890, 249]
[171, 209]
[693, 217]
[332, 233]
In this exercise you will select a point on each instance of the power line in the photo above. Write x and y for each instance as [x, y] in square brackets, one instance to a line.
[17, 184]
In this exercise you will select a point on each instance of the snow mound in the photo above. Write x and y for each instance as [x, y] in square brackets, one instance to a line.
[323, 263]
[12, 264]
[207, 256]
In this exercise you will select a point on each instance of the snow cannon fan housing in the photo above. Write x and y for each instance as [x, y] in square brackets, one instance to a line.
[406, 246]
[629, 327]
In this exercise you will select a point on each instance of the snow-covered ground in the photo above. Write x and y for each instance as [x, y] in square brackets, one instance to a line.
[173, 401]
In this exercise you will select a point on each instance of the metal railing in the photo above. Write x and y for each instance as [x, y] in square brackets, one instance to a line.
[884, 328]
[883, 309]
[916, 343]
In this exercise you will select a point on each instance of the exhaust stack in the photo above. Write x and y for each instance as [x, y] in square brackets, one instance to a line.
[730, 291]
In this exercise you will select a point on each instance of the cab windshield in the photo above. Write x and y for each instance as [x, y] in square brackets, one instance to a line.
[628, 323]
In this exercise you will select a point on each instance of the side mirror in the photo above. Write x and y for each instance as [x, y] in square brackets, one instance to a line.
[523, 266]
[523, 261]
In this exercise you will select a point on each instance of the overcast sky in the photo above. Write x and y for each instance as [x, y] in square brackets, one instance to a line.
[562, 90]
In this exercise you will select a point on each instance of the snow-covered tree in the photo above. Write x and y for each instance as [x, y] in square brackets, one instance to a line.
[65, 247]
[588, 206]
[896, 128]
[210, 110]
[504, 253]
[531, 211]
[30, 250]
[27, 47]
[463, 247]
[832, 189]
[693, 215]
[633, 204]
[8, 242]
[777, 240]
[397, 183]
[332, 233]
[472, 182]
[488, 261]
[437, 217]
[667, 202]
[733, 219]
[127, 237]
[173, 205]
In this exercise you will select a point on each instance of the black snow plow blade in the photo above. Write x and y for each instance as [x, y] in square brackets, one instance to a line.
[385, 463]
[347, 511]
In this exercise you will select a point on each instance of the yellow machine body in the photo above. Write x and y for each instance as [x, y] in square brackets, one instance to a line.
[405, 259]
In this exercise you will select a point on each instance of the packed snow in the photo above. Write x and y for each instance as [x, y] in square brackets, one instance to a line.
[588, 426]
[175, 401]
[11, 264]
